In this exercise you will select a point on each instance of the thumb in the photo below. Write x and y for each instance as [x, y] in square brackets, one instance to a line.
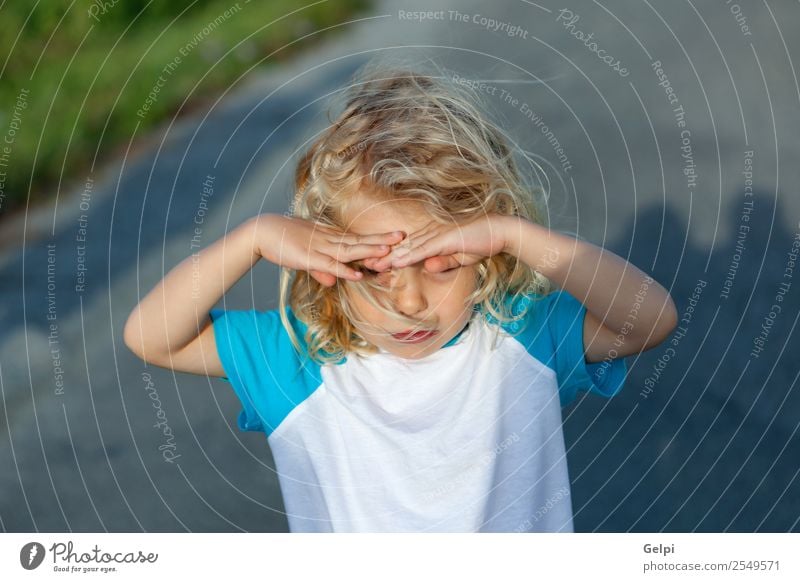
[440, 263]
[443, 262]
[325, 279]
[469, 259]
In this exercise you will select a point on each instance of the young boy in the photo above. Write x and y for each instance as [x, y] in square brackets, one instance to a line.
[413, 377]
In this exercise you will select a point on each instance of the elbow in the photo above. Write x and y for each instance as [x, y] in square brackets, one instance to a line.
[671, 315]
[132, 339]
[667, 322]
[660, 330]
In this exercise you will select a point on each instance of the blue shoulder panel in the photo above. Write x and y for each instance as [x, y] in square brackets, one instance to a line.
[552, 332]
[266, 372]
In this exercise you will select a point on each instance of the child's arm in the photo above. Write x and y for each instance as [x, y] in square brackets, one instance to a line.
[621, 301]
[171, 327]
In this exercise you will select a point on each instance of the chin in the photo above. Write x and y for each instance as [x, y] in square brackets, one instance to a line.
[413, 352]
[415, 355]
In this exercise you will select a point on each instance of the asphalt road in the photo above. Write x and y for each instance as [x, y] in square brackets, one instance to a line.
[657, 143]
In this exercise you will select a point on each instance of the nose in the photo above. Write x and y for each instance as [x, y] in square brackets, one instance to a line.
[409, 294]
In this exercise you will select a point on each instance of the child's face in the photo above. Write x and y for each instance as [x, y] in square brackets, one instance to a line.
[436, 301]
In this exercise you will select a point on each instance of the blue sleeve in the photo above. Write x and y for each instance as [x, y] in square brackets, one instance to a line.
[268, 375]
[564, 321]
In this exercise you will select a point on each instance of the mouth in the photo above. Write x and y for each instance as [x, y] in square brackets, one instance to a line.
[413, 337]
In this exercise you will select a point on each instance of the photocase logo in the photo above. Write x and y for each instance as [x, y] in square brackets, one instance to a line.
[31, 555]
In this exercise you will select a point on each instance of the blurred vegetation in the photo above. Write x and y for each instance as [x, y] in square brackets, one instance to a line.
[84, 69]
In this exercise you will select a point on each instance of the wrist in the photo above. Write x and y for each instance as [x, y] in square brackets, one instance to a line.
[511, 229]
[538, 247]
[260, 228]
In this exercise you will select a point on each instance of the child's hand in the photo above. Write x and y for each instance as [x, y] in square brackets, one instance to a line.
[299, 244]
[446, 246]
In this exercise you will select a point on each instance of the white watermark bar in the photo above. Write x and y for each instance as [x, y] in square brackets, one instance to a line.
[401, 557]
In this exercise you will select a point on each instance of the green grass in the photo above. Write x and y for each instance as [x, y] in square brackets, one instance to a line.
[86, 87]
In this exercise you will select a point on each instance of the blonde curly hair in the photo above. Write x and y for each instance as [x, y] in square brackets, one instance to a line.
[413, 137]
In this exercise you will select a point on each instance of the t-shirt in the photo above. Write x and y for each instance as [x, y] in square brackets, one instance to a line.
[466, 439]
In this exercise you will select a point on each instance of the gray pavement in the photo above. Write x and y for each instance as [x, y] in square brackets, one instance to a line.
[704, 436]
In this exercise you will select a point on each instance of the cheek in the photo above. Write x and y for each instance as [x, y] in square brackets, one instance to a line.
[465, 284]
[362, 307]
[453, 294]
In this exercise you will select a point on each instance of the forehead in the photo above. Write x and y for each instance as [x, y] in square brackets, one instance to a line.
[366, 215]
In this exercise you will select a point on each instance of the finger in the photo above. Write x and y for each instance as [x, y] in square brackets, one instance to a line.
[401, 250]
[391, 259]
[389, 238]
[371, 263]
[424, 231]
[419, 251]
[330, 265]
[381, 263]
[349, 253]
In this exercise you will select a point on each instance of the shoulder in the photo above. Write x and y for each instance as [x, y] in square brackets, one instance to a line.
[540, 323]
[551, 329]
[255, 317]
[267, 371]
[527, 309]
[264, 327]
